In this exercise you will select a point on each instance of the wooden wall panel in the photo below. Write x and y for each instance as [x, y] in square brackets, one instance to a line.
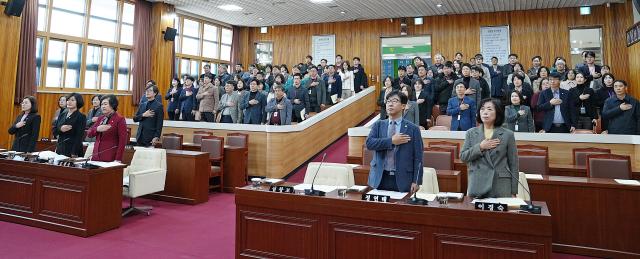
[533, 32]
[161, 50]
[9, 43]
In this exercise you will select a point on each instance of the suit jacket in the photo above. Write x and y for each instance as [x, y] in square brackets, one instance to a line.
[396, 82]
[590, 104]
[253, 113]
[321, 90]
[527, 93]
[285, 114]
[467, 117]
[336, 87]
[359, 78]
[491, 173]
[425, 108]
[412, 114]
[208, 97]
[70, 142]
[473, 84]
[408, 156]
[566, 108]
[149, 127]
[174, 104]
[497, 88]
[109, 145]
[234, 110]
[512, 118]
[188, 103]
[27, 135]
[585, 70]
[300, 93]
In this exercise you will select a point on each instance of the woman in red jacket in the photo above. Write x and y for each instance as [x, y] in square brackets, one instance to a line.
[110, 131]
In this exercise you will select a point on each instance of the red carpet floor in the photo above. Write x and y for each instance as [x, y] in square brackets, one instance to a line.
[172, 231]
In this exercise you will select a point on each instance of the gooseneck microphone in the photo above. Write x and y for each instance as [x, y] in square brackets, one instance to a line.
[86, 162]
[529, 207]
[415, 200]
[313, 192]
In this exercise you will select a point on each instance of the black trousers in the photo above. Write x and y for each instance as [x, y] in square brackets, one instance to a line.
[208, 117]
[226, 119]
[562, 128]
[584, 123]
[187, 116]
[173, 116]
[388, 182]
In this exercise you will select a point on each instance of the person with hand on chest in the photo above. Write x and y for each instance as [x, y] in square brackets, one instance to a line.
[279, 108]
[110, 132]
[150, 119]
[397, 143]
[70, 127]
[26, 126]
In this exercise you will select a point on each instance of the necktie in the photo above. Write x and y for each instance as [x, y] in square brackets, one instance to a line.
[390, 156]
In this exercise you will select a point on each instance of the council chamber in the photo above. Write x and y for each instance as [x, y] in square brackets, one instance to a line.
[320, 129]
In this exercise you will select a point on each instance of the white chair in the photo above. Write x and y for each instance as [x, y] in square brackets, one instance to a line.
[332, 174]
[522, 193]
[429, 181]
[145, 175]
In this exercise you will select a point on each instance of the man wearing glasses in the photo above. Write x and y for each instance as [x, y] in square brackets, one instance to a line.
[397, 162]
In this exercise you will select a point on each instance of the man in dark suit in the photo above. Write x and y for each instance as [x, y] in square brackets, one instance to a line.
[397, 162]
[333, 82]
[359, 76]
[150, 116]
[402, 79]
[590, 69]
[556, 103]
[253, 104]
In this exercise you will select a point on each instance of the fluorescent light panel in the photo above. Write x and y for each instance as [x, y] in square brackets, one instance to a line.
[418, 21]
[321, 1]
[230, 7]
[263, 29]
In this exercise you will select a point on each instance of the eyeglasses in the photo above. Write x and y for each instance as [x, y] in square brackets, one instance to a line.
[393, 101]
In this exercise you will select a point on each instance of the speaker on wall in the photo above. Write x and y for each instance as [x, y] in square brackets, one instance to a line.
[14, 7]
[170, 34]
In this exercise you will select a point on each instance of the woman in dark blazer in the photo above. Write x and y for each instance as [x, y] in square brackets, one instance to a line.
[585, 103]
[518, 115]
[424, 99]
[173, 99]
[62, 104]
[26, 126]
[110, 132]
[490, 154]
[70, 127]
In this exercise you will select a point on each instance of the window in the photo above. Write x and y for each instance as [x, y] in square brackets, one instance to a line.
[84, 45]
[200, 43]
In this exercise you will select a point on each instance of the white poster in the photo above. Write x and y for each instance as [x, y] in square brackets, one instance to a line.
[495, 42]
[323, 46]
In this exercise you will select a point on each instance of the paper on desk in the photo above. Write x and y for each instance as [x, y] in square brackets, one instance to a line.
[272, 180]
[426, 196]
[303, 112]
[628, 182]
[324, 188]
[105, 164]
[511, 202]
[534, 176]
[391, 194]
[358, 188]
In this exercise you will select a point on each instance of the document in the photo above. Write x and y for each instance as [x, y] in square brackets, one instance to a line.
[324, 188]
[391, 194]
[302, 113]
[105, 164]
[426, 196]
[628, 182]
[334, 98]
[272, 180]
[534, 176]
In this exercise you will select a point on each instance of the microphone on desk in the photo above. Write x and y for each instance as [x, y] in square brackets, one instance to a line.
[312, 192]
[529, 207]
[86, 162]
[415, 200]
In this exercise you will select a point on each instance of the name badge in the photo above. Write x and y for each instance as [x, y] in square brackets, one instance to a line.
[458, 116]
[583, 110]
[309, 91]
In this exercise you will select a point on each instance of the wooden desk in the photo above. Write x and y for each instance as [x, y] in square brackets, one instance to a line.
[279, 225]
[591, 216]
[448, 180]
[187, 179]
[76, 201]
[235, 165]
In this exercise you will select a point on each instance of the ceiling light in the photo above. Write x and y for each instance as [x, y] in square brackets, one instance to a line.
[585, 10]
[230, 7]
[343, 12]
[263, 30]
[321, 1]
[418, 21]
[260, 18]
[439, 5]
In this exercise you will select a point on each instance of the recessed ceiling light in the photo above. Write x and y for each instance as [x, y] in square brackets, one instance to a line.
[230, 7]
[343, 12]
[321, 1]
[260, 18]
[439, 5]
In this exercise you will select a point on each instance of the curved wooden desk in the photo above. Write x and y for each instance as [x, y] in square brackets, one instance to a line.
[275, 151]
